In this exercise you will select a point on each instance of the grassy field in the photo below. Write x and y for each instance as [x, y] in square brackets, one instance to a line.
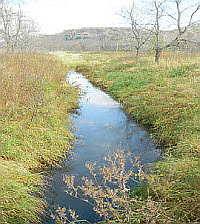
[35, 108]
[165, 96]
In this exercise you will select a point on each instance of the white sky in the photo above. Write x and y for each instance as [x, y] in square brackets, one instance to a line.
[54, 16]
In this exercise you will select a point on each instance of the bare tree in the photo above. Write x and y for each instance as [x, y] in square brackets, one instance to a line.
[15, 28]
[160, 12]
[103, 39]
[140, 27]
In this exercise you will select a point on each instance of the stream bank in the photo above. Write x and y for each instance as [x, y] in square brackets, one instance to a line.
[35, 107]
[102, 127]
[165, 96]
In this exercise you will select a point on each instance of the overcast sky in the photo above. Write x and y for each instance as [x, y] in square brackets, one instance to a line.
[57, 15]
[54, 16]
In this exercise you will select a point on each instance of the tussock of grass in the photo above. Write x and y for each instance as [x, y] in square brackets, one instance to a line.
[164, 95]
[35, 129]
[18, 187]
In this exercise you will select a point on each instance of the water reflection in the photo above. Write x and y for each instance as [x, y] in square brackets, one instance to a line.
[90, 94]
[102, 126]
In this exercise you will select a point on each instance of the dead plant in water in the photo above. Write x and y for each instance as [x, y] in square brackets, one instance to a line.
[61, 216]
[108, 190]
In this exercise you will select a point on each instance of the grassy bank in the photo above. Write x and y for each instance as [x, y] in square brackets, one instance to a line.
[164, 95]
[35, 107]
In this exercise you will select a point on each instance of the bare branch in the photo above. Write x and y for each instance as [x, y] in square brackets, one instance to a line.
[161, 11]
[191, 17]
[139, 27]
[13, 26]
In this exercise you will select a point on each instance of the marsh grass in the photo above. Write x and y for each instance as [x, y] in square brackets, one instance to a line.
[36, 132]
[164, 95]
[19, 193]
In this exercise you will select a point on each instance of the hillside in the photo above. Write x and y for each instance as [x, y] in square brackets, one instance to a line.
[105, 39]
[85, 39]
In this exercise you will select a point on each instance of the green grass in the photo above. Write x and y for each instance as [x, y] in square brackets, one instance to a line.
[165, 96]
[18, 189]
[36, 130]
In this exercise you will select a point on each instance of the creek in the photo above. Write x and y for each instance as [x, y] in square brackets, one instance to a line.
[101, 126]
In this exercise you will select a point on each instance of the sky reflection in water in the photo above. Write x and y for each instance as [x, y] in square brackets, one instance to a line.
[102, 126]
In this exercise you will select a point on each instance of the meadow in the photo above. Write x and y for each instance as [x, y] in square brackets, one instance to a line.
[36, 130]
[165, 96]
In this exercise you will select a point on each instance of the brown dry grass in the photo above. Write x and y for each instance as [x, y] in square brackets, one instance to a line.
[35, 106]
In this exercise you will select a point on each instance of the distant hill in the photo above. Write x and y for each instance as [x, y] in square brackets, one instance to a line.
[84, 39]
[104, 39]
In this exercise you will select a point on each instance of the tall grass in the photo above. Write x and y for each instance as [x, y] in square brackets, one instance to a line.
[19, 193]
[164, 95]
[36, 132]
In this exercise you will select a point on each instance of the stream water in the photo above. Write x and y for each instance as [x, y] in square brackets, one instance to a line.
[102, 126]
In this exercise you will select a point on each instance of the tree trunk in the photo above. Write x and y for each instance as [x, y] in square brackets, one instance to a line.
[9, 46]
[137, 54]
[158, 53]
[117, 47]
